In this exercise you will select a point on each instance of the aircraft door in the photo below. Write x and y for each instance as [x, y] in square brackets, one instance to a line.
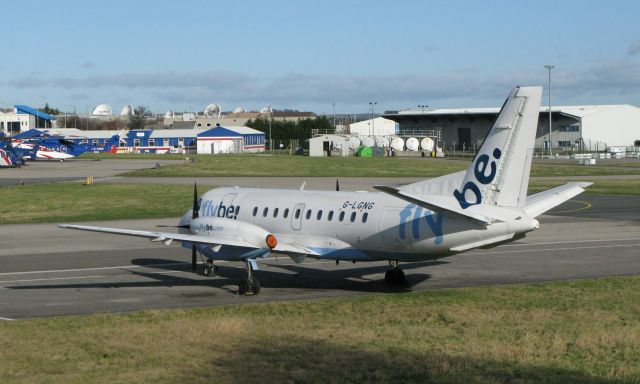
[296, 216]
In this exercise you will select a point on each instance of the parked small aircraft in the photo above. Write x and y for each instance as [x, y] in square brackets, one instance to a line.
[484, 206]
[43, 146]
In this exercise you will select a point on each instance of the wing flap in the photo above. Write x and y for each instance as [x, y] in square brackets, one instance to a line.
[167, 237]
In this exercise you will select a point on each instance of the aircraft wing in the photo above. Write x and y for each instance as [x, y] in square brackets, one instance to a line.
[168, 237]
[436, 203]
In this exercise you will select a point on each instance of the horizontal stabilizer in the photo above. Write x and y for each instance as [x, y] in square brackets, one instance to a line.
[436, 203]
[540, 203]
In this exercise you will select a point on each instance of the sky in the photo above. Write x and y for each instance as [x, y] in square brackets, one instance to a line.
[314, 55]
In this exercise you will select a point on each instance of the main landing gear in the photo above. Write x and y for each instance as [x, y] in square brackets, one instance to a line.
[208, 268]
[250, 285]
[394, 276]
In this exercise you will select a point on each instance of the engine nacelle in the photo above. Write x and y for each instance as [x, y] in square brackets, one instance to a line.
[222, 227]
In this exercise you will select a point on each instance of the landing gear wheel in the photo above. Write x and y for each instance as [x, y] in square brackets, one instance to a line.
[249, 286]
[394, 277]
[207, 270]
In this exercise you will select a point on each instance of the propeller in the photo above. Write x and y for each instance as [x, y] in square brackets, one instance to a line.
[195, 213]
[337, 185]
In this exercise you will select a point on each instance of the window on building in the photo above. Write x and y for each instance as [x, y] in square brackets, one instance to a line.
[94, 141]
[152, 142]
[564, 143]
[136, 142]
[84, 141]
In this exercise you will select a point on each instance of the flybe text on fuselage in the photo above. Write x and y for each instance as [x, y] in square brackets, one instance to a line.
[211, 209]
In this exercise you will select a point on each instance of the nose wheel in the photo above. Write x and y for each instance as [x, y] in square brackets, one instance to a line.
[250, 285]
[395, 275]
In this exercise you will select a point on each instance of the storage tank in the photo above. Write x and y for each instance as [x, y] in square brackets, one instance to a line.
[368, 141]
[382, 141]
[412, 144]
[427, 144]
[397, 143]
[354, 143]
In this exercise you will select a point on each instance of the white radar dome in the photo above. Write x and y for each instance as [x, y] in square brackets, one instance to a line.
[368, 141]
[213, 110]
[266, 110]
[102, 110]
[397, 143]
[427, 144]
[412, 144]
[169, 115]
[127, 110]
[239, 110]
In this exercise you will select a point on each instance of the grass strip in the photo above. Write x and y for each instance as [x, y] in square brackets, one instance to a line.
[562, 332]
[47, 203]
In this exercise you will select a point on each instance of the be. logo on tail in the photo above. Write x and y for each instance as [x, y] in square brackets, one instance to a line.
[480, 173]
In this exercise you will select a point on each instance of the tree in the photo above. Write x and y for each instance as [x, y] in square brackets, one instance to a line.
[136, 121]
[51, 111]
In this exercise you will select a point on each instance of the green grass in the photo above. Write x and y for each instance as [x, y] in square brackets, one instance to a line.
[284, 165]
[599, 187]
[46, 203]
[563, 332]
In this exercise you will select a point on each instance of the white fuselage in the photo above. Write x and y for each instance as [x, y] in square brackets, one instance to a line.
[354, 225]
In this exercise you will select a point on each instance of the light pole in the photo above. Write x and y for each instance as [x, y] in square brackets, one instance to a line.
[334, 115]
[270, 141]
[549, 67]
[372, 131]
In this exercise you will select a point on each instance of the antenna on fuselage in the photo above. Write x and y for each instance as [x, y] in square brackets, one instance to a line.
[337, 185]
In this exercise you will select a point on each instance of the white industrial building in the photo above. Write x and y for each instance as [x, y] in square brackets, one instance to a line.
[583, 127]
[378, 126]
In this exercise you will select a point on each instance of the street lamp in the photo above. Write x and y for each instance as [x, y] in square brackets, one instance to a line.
[549, 68]
[334, 115]
[371, 123]
[270, 141]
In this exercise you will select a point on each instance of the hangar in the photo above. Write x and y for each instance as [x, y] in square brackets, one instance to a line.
[574, 128]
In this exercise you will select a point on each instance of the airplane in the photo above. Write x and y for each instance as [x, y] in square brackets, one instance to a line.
[481, 207]
[43, 146]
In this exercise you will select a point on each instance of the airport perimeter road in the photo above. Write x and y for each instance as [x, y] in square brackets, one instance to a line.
[46, 271]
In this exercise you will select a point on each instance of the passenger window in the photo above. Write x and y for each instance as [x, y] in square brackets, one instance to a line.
[286, 213]
[275, 212]
[255, 211]
[353, 217]
[341, 217]
[308, 214]
[298, 213]
[365, 216]
[319, 215]
[330, 216]
[265, 211]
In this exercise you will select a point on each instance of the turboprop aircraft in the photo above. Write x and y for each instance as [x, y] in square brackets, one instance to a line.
[484, 206]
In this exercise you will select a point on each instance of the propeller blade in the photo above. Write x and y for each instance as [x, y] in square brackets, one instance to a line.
[195, 213]
[193, 258]
[337, 185]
